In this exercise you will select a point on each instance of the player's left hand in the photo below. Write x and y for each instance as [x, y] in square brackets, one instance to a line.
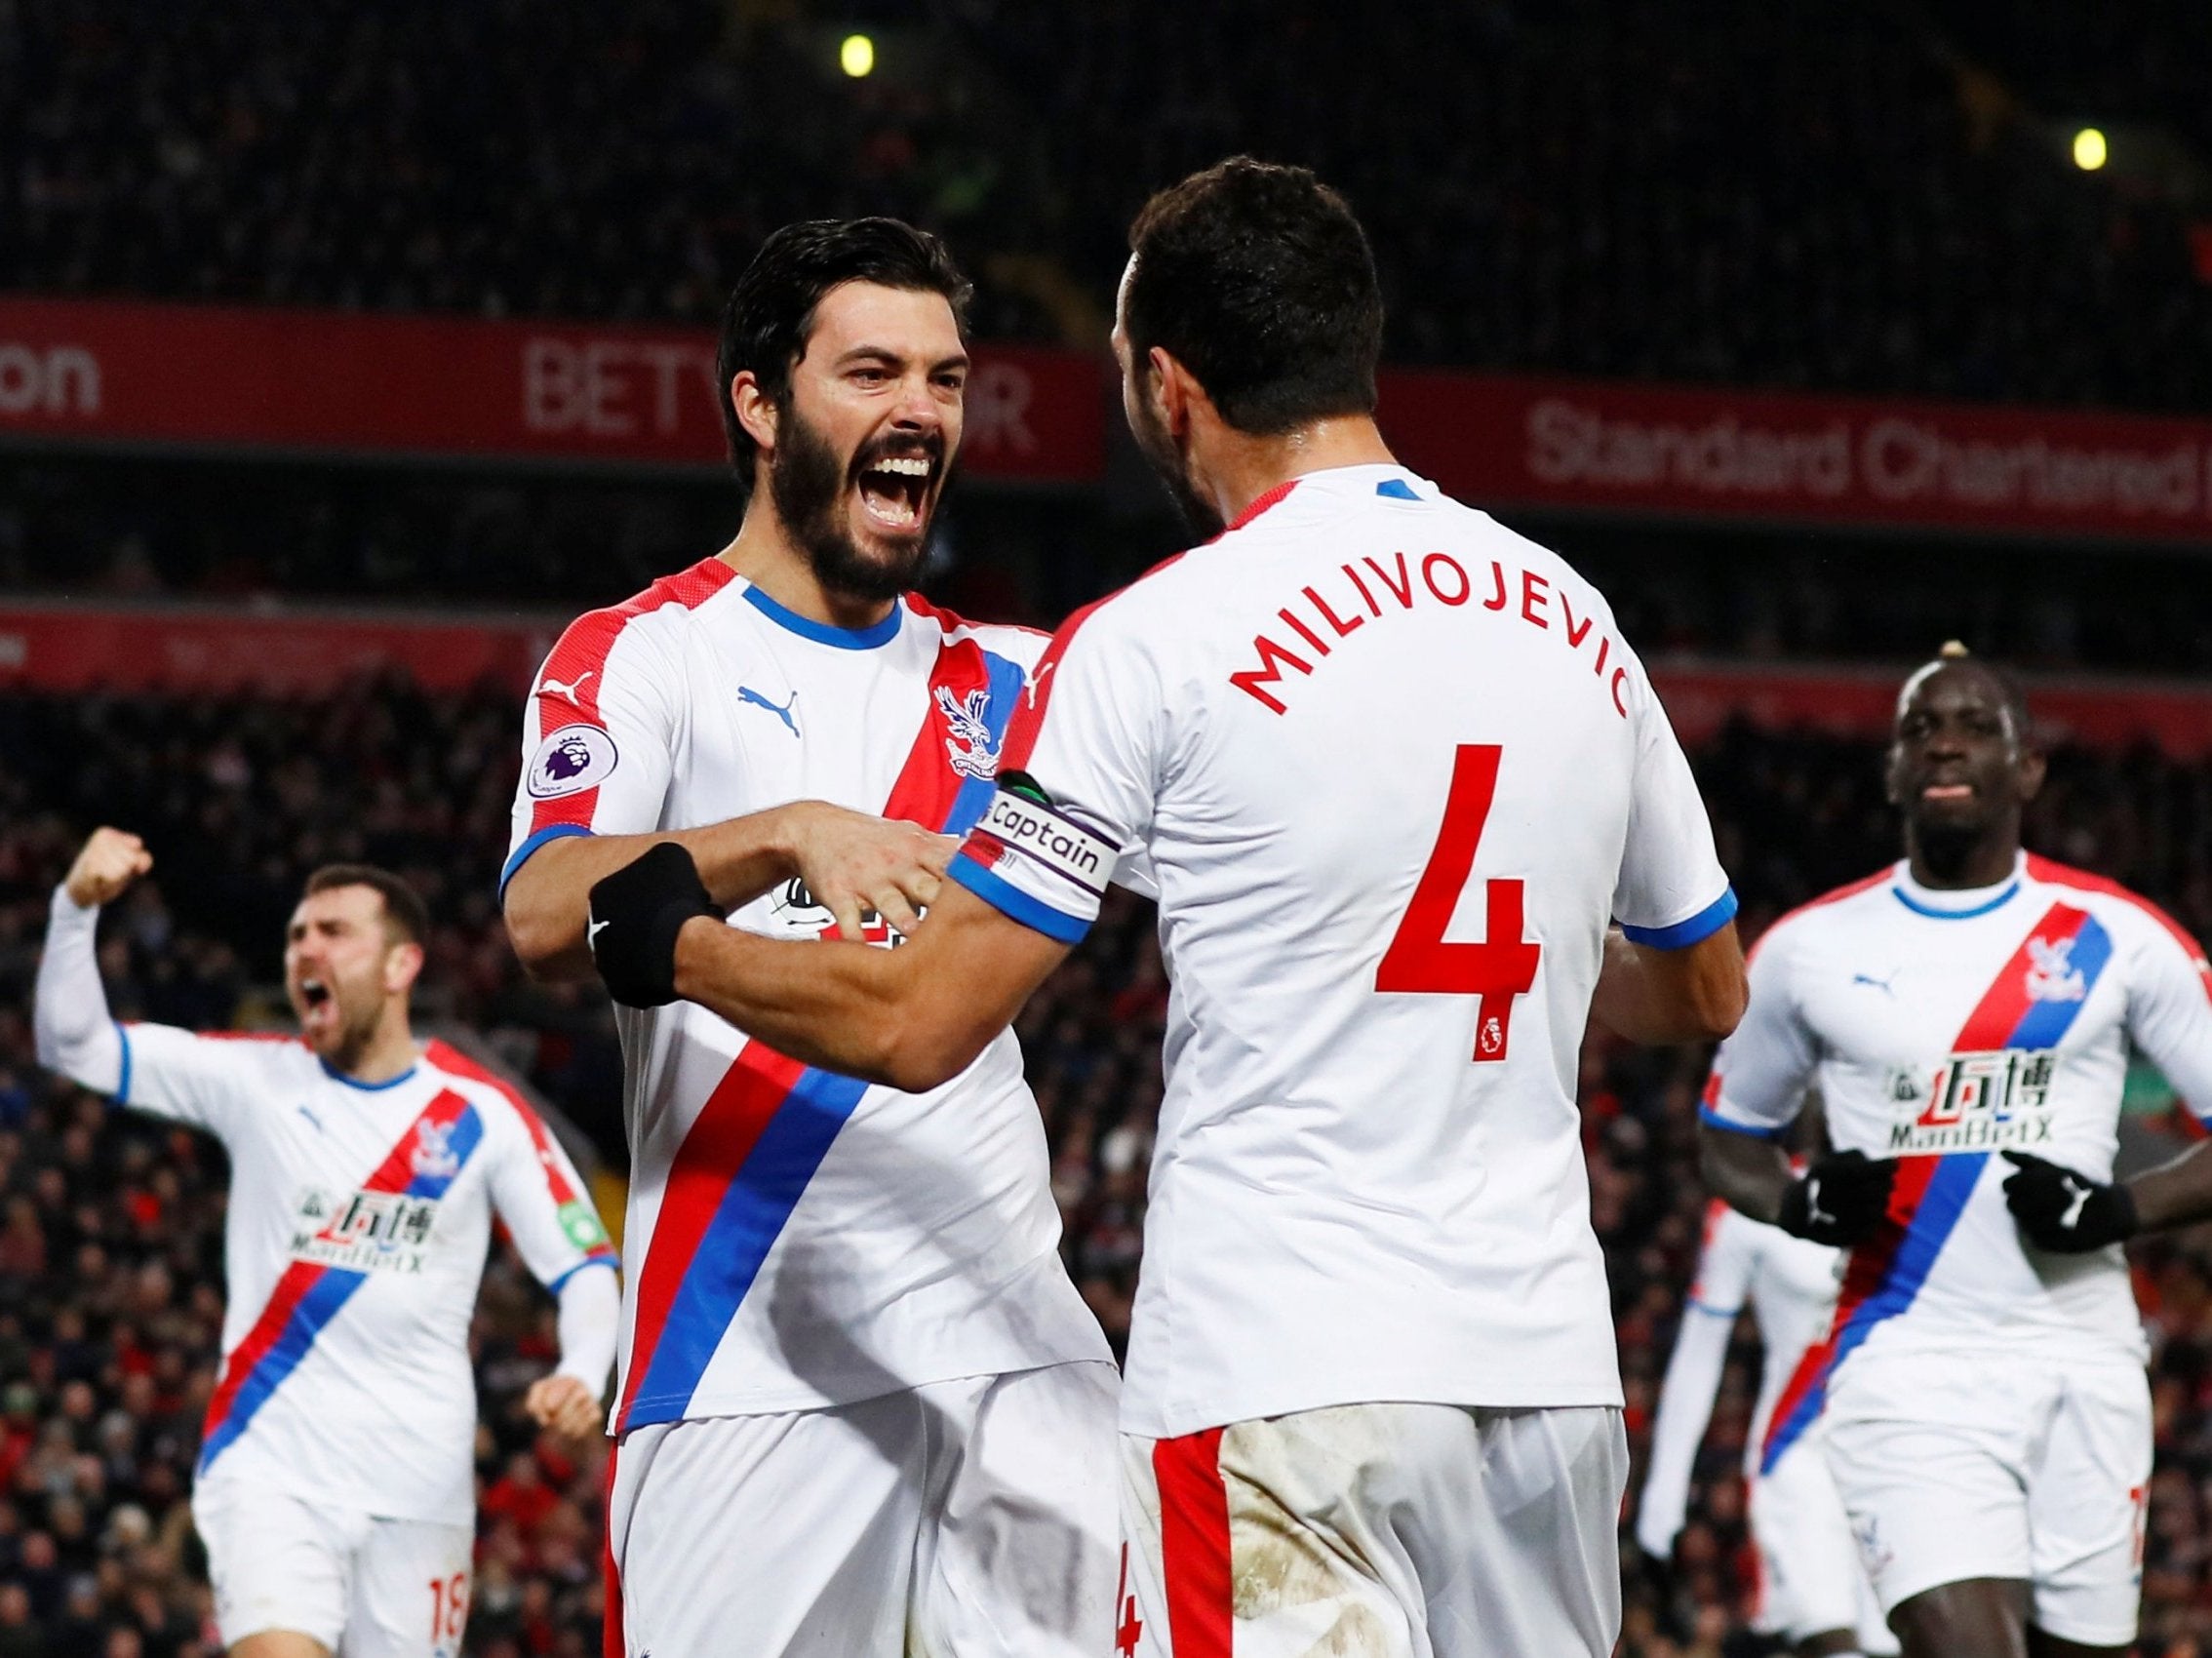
[635, 916]
[564, 1405]
[2064, 1212]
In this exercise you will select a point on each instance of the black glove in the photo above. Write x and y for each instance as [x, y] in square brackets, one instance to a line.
[635, 916]
[2064, 1212]
[1840, 1200]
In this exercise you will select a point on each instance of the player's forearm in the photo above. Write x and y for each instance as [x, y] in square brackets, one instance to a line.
[71, 1022]
[850, 1008]
[2175, 1194]
[545, 902]
[1662, 996]
[1748, 1173]
[589, 1317]
[1685, 1407]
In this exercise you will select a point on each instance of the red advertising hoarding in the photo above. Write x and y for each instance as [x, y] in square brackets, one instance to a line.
[211, 649]
[118, 373]
[201, 649]
[1643, 449]
[345, 382]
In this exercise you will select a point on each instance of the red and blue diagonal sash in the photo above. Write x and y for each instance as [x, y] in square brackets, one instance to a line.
[757, 1142]
[308, 1295]
[1887, 1272]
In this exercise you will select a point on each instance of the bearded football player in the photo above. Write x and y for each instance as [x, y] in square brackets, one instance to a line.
[336, 1484]
[862, 1409]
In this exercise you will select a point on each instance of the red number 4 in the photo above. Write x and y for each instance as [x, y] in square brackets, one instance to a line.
[1503, 965]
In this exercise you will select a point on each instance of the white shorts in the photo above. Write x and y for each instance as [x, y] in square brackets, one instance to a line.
[971, 1519]
[1811, 1580]
[1954, 1468]
[364, 1587]
[1376, 1531]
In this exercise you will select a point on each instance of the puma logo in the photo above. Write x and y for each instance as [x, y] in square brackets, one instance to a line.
[746, 693]
[551, 687]
[592, 932]
[1036, 681]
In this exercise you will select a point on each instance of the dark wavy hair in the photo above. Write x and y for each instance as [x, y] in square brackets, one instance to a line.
[771, 314]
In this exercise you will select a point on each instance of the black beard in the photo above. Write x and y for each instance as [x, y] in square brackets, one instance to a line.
[1200, 516]
[807, 484]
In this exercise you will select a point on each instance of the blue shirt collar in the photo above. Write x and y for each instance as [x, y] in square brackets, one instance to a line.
[822, 633]
[337, 1076]
[1956, 903]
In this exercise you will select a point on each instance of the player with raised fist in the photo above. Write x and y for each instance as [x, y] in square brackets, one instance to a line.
[335, 1483]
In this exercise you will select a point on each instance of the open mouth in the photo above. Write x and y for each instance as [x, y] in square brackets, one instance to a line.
[894, 491]
[316, 1002]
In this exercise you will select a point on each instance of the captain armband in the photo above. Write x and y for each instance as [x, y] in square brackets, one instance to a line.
[1036, 860]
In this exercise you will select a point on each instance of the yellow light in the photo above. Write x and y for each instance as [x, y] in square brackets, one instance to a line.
[857, 56]
[2089, 150]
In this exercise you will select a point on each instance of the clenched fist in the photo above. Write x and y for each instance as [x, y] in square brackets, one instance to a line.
[107, 864]
[566, 1406]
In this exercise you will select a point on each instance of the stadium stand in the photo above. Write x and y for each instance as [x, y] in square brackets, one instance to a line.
[1828, 195]
[110, 1228]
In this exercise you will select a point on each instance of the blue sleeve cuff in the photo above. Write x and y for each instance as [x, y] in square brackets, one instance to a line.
[1683, 934]
[1711, 1118]
[1011, 901]
[523, 853]
[607, 1260]
[122, 1094]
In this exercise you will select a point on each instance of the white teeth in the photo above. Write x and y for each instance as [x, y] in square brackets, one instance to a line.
[907, 466]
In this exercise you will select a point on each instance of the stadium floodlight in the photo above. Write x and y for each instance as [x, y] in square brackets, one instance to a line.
[2090, 150]
[857, 55]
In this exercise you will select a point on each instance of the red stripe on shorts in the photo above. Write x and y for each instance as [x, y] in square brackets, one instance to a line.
[612, 1641]
[1193, 1543]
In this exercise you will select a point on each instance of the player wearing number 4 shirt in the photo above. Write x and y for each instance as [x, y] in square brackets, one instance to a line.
[1389, 769]
[334, 1489]
[1967, 1017]
[862, 1411]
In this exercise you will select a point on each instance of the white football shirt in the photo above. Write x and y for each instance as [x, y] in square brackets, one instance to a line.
[796, 1237]
[1390, 768]
[1942, 1028]
[360, 1217]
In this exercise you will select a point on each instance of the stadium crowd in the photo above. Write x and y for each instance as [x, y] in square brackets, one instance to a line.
[1823, 196]
[110, 1227]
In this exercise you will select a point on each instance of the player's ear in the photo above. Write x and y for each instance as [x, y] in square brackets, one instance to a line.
[756, 409]
[1170, 386]
[402, 965]
[1892, 762]
[2032, 769]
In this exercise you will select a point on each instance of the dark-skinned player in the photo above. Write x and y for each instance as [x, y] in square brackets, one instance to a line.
[1966, 1016]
